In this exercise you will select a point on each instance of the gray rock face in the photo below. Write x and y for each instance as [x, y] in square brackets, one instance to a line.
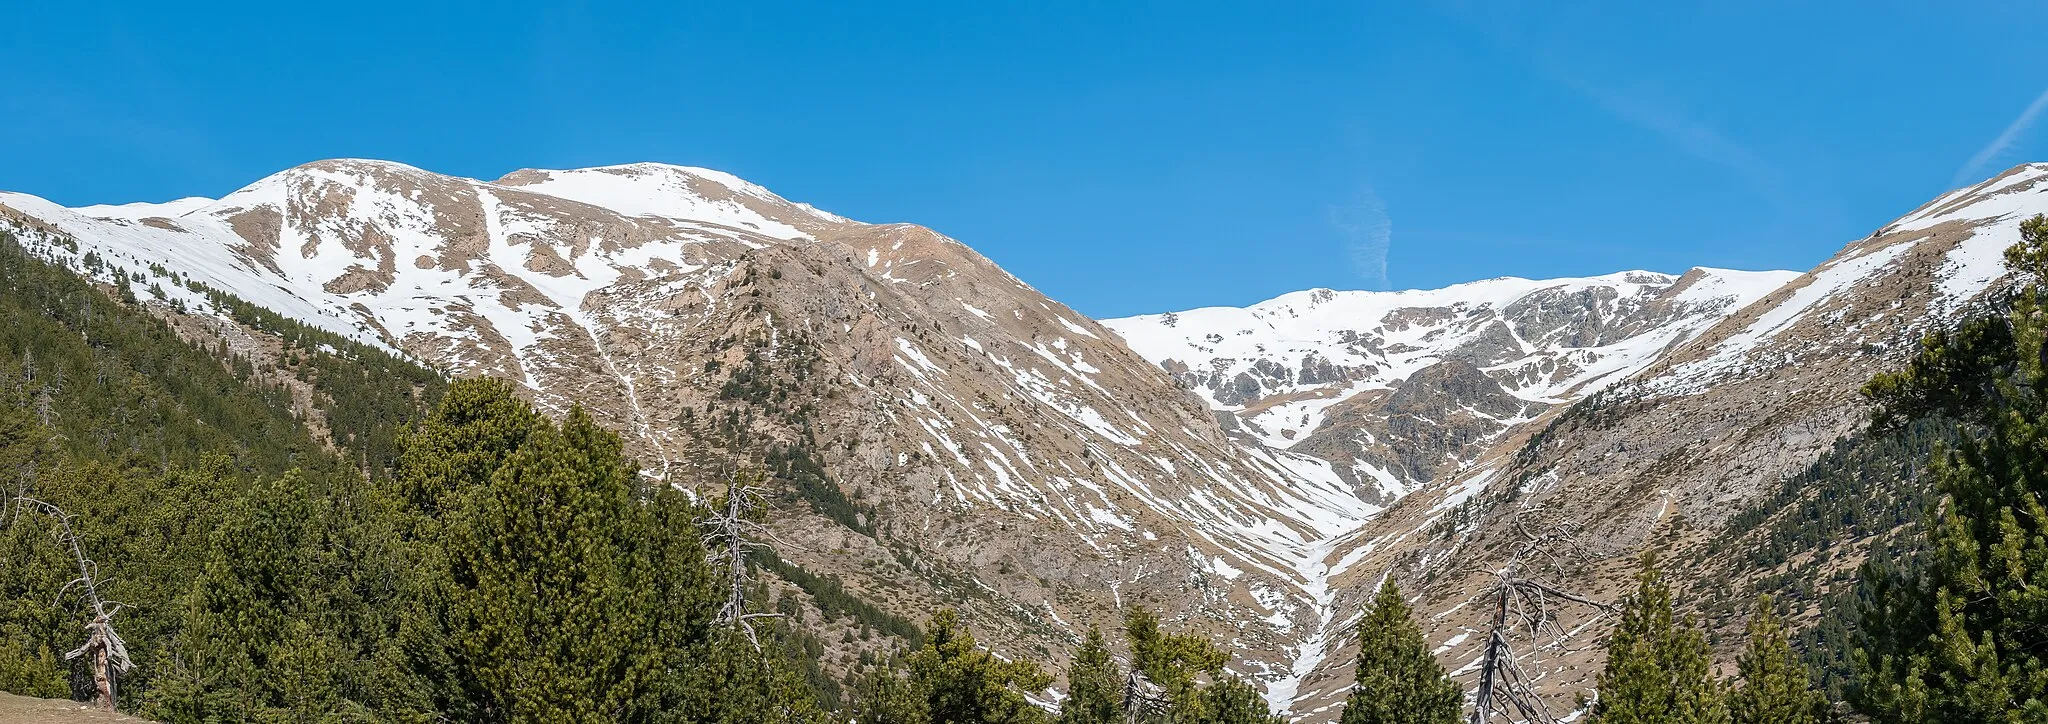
[1312, 372]
[1427, 426]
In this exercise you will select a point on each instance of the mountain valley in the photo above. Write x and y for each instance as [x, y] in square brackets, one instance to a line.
[940, 434]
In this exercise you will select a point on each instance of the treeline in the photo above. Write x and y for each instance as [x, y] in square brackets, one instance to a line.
[425, 559]
[1803, 544]
[1658, 671]
[152, 443]
[512, 569]
[443, 553]
[366, 395]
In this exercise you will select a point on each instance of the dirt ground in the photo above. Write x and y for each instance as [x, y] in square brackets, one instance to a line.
[24, 710]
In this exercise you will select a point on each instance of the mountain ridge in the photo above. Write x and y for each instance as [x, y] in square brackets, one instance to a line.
[967, 422]
[849, 350]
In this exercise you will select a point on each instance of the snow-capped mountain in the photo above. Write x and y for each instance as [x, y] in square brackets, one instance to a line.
[1664, 456]
[985, 446]
[1335, 374]
[1250, 472]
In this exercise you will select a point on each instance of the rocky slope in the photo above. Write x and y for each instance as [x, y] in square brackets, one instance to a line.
[945, 435]
[1398, 388]
[1662, 458]
[979, 445]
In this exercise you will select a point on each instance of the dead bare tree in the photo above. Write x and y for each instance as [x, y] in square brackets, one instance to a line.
[1523, 603]
[103, 649]
[1143, 700]
[735, 531]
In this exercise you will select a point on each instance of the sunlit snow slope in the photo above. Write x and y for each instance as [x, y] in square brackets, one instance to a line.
[1305, 369]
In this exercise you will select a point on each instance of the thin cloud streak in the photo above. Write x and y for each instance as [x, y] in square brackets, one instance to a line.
[1369, 232]
[1631, 105]
[1689, 136]
[1972, 171]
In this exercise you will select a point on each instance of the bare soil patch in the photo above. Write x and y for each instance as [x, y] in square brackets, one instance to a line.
[24, 710]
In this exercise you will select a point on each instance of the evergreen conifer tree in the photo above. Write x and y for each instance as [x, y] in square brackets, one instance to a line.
[477, 426]
[1174, 662]
[1658, 665]
[240, 615]
[883, 696]
[555, 586]
[1398, 681]
[1958, 634]
[1094, 684]
[543, 619]
[727, 681]
[963, 684]
[1776, 688]
[1229, 700]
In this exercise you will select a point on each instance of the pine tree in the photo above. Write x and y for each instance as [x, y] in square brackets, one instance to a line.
[477, 426]
[239, 612]
[1398, 680]
[1775, 686]
[552, 584]
[1174, 662]
[543, 615]
[964, 684]
[1956, 634]
[727, 681]
[1094, 684]
[1229, 700]
[883, 696]
[1658, 665]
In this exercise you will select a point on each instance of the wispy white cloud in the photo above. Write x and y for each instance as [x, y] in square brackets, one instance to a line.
[1991, 152]
[1689, 135]
[1368, 232]
[1624, 95]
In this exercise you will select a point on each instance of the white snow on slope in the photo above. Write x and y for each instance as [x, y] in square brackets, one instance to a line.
[1265, 510]
[652, 189]
[1989, 213]
[197, 240]
[143, 210]
[1382, 338]
[198, 252]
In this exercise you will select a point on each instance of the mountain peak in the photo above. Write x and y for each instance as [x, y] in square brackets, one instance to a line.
[673, 192]
[144, 210]
[685, 192]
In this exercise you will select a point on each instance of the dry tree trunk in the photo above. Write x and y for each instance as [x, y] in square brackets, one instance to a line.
[1521, 602]
[734, 533]
[103, 650]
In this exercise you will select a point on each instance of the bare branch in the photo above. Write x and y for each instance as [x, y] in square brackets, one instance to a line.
[103, 647]
[1527, 605]
[732, 536]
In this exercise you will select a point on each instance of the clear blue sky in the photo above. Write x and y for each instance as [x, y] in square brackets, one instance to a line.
[1122, 157]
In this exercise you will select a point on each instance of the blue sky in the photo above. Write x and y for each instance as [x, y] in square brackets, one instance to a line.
[1122, 157]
